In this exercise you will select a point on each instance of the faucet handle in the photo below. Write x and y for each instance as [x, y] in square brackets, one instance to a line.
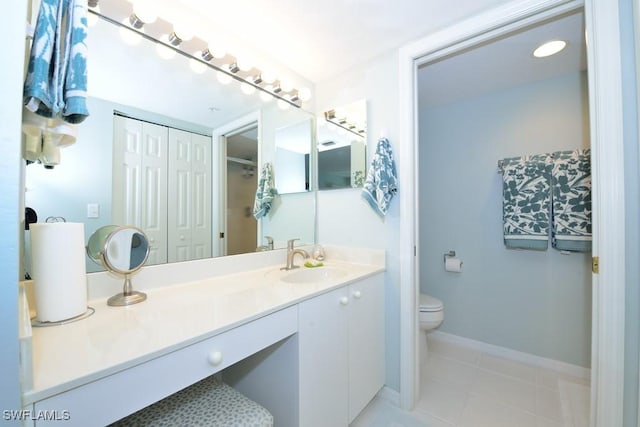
[290, 243]
[269, 239]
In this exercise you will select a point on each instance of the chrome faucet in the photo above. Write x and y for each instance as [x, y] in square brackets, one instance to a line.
[268, 246]
[291, 253]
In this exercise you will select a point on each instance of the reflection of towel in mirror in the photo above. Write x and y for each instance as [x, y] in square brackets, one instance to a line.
[265, 193]
[56, 81]
[381, 183]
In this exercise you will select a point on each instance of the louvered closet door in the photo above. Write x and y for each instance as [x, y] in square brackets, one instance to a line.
[140, 181]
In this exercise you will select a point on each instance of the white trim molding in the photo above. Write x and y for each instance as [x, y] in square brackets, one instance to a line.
[606, 139]
[510, 354]
[607, 142]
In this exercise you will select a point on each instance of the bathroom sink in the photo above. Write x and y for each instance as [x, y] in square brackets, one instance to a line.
[313, 275]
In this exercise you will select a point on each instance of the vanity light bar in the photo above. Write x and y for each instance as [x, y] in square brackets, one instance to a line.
[342, 122]
[253, 78]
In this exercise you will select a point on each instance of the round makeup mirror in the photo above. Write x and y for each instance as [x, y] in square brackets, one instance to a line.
[122, 250]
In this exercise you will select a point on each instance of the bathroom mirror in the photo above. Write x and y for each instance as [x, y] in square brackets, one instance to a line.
[133, 81]
[122, 251]
[293, 148]
[342, 147]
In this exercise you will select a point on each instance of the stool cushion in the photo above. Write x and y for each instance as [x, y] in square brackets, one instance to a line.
[209, 402]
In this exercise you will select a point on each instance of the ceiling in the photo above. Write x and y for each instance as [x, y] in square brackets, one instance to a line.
[504, 63]
[320, 39]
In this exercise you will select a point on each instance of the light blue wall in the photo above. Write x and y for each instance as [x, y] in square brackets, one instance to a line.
[632, 212]
[534, 302]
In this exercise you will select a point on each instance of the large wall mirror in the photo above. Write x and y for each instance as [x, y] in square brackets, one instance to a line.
[184, 117]
[342, 146]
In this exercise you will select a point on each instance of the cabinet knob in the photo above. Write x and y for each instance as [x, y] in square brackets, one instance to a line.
[344, 300]
[182, 237]
[357, 294]
[215, 358]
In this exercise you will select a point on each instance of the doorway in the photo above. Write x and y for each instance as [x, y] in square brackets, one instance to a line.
[605, 83]
[241, 182]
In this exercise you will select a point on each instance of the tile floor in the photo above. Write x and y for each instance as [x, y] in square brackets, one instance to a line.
[463, 387]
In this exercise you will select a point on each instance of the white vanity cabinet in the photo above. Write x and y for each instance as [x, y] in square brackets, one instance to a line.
[341, 352]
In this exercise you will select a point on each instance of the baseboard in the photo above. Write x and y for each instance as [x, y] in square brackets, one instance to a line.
[390, 395]
[519, 356]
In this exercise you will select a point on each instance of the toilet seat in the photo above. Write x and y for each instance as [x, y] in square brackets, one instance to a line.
[429, 304]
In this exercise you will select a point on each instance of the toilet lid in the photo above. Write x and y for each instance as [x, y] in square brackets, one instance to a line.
[429, 303]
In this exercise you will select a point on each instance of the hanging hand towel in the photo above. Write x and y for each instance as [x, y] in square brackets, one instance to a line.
[381, 183]
[56, 82]
[526, 201]
[571, 180]
[265, 193]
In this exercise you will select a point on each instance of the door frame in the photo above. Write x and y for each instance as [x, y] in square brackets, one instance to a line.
[219, 184]
[605, 98]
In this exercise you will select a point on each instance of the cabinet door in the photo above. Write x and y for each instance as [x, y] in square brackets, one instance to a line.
[366, 342]
[323, 358]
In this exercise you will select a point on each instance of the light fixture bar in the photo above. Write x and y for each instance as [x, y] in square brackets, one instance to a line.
[342, 122]
[276, 92]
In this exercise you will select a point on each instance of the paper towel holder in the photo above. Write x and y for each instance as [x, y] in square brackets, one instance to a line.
[122, 250]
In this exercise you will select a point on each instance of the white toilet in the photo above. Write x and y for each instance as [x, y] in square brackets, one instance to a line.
[430, 316]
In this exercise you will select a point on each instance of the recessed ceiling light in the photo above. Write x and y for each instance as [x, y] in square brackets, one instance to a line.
[549, 48]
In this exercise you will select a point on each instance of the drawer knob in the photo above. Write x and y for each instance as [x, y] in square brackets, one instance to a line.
[344, 300]
[357, 294]
[215, 358]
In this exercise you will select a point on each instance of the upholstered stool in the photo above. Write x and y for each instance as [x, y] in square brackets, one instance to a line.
[209, 402]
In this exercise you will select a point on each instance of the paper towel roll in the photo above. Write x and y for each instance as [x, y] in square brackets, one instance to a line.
[453, 264]
[58, 270]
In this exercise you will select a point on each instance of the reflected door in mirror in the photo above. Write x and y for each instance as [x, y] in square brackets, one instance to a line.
[154, 164]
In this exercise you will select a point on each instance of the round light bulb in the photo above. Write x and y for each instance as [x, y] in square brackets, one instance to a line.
[183, 30]
[304, 94]
[243, 63]
[247, 89]
[286, 85]
[145, 11]
[216, 50]
[129, 36]
[549, 48]
[223, 78]
[165, 52]
[197, 66]
[268, 76]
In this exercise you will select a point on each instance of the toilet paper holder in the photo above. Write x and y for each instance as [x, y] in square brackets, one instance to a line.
[451, 254]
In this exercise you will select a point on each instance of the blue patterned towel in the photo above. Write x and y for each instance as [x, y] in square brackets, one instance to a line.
[571, 180]
[526, 201]
[381, 183]
[265, 193]
[56, 82]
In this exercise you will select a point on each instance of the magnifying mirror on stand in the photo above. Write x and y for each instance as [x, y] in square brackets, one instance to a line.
[122, 250]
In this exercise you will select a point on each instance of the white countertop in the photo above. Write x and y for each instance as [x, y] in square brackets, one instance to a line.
[172, 317]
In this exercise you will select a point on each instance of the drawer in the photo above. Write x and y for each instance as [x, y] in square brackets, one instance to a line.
[106, 400]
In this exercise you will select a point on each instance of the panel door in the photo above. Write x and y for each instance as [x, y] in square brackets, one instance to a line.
[154, 190]
[181, 195]
[127, 171]
[201, 196]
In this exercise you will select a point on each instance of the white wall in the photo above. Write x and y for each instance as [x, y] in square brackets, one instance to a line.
[11, 216]
[344, 218]
[531, 301]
